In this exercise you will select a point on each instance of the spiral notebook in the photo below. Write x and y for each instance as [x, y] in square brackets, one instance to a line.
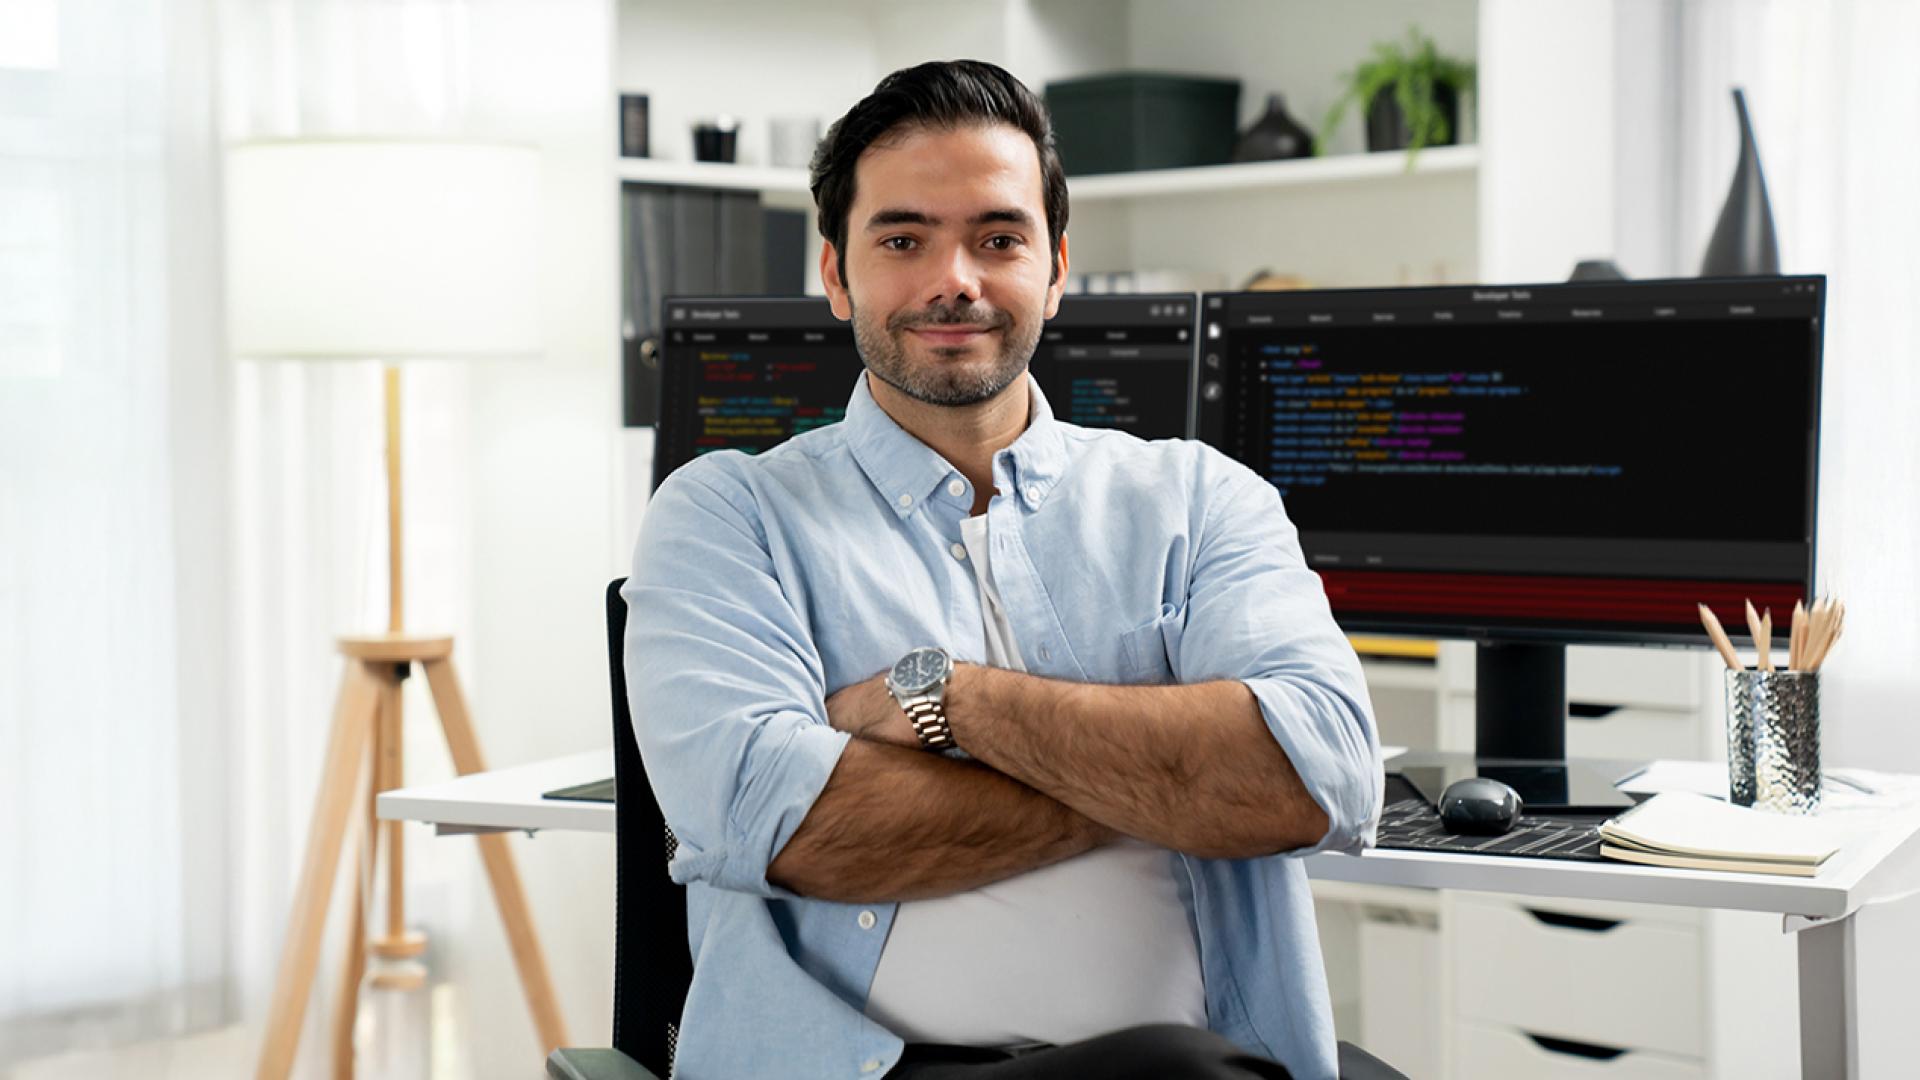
[1692, 831]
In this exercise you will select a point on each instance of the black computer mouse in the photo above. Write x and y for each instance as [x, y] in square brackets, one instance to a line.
[1479, 806]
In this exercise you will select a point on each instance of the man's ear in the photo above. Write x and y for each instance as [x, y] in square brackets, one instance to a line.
[1058, 286]
[837, 296]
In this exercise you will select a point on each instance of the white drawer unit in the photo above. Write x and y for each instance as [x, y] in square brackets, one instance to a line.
[1604, 730]
[1633, 732]
[1616, 975]
[1620, 675]
[1495, 1052]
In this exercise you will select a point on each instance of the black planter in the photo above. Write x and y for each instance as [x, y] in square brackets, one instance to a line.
[1387, 128]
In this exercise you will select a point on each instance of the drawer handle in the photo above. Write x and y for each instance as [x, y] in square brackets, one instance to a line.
[1571, 1048]
[1574, 922]
[1590, 710]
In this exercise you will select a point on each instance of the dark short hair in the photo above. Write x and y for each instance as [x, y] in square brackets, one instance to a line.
[942, 95]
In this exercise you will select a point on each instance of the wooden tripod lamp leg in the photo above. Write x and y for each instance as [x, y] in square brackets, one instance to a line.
[366, 867]
[339, 779]
[398, 943]
[501, 874]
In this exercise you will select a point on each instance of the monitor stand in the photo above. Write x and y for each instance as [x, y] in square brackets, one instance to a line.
[1520, 737]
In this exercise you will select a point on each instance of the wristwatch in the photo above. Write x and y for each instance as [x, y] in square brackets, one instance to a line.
[918, 681]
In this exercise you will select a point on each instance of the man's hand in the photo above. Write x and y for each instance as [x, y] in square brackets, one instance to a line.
[866, 710]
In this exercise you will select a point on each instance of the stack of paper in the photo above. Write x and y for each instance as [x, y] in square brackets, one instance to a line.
[1692, 831]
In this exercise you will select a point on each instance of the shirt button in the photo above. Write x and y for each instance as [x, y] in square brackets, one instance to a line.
[1045, 654]
[959, 551]
[956, 488]
[1033, 493]
[906, 500]
[866, 920]
[870, 1066]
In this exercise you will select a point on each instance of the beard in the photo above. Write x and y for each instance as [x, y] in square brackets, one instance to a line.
[950, 381]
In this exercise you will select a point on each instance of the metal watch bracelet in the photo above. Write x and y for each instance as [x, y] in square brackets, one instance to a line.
[929, 720]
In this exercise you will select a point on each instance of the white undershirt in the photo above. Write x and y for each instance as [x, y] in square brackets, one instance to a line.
[1080, 948]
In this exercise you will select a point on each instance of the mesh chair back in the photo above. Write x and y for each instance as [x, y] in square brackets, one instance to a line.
[651, 964]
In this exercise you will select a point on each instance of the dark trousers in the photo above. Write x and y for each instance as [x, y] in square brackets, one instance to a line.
[1148, 1052]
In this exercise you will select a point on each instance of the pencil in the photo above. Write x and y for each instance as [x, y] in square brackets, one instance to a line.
[1758, 629]
[1797, 637]
[1719, 636]
[1830, 632]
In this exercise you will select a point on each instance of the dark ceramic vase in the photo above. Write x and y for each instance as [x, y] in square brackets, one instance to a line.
[1743, 243]
[1276, 136]
[1387, 126]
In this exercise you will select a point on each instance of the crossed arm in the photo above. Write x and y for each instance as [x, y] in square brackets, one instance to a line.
[1060, 768]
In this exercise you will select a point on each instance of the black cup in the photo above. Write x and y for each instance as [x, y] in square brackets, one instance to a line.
[715, 142]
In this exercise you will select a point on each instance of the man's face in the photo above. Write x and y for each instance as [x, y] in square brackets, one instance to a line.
[948, 270]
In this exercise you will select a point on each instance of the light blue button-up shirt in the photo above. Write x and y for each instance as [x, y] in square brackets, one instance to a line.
[761, 585]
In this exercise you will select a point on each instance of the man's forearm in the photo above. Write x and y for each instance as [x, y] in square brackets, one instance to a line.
[1192, 768]
[896, 824]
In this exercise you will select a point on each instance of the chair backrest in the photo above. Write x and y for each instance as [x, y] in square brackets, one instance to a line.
[651, 964]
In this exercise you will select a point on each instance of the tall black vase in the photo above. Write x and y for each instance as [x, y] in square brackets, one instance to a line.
[1743, 244]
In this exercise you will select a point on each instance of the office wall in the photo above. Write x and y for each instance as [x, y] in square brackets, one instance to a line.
[538, 516]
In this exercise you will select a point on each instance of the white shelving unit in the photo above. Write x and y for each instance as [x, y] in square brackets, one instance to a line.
[1348, 219]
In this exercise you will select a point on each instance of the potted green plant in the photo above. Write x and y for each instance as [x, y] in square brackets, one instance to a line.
[1411, 95]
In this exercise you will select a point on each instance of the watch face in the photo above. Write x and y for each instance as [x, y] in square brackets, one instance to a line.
[920, 670]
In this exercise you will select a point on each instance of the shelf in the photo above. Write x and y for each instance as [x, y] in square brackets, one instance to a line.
[710, 174]
[1341, 169]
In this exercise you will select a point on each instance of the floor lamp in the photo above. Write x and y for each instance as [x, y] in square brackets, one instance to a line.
[390, 250]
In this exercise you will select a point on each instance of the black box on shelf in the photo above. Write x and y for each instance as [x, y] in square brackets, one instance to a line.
[1140, 120]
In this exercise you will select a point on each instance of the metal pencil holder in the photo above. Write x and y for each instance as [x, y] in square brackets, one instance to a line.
[1773, 740]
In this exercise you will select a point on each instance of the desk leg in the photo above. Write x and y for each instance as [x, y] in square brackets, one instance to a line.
[1856, 976]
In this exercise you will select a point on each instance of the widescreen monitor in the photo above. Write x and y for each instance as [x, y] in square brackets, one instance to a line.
[748, 373]
[1532, 466]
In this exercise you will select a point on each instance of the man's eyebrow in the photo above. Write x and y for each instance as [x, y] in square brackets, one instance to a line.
[882, 219]
[1010, 216]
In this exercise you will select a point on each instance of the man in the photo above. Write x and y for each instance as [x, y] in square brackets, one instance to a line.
[982, 733]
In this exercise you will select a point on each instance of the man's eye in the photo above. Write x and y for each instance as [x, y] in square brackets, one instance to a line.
[1004, 242]
[897, 243]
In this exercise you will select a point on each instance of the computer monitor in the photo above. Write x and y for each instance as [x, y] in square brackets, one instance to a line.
[1121, 361]
[747, 373]
[1532, 466]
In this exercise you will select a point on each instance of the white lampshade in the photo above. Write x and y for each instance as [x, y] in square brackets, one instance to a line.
[369, 249]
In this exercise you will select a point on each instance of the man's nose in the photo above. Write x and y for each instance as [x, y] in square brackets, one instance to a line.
[956, 278]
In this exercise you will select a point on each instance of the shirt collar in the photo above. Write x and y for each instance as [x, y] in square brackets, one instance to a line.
[907, 471]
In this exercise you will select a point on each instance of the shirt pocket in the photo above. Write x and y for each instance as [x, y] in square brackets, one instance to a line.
[1143, 649]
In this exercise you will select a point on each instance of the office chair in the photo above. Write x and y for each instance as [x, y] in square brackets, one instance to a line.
[651, 964]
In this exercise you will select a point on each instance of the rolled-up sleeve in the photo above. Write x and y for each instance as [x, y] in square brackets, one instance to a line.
[725, 685]
[1256, 613]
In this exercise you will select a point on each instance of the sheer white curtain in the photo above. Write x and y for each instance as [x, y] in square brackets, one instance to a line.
[113, 531]
[1835, 96]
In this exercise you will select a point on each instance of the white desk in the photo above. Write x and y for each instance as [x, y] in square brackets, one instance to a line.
[1859, 930]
